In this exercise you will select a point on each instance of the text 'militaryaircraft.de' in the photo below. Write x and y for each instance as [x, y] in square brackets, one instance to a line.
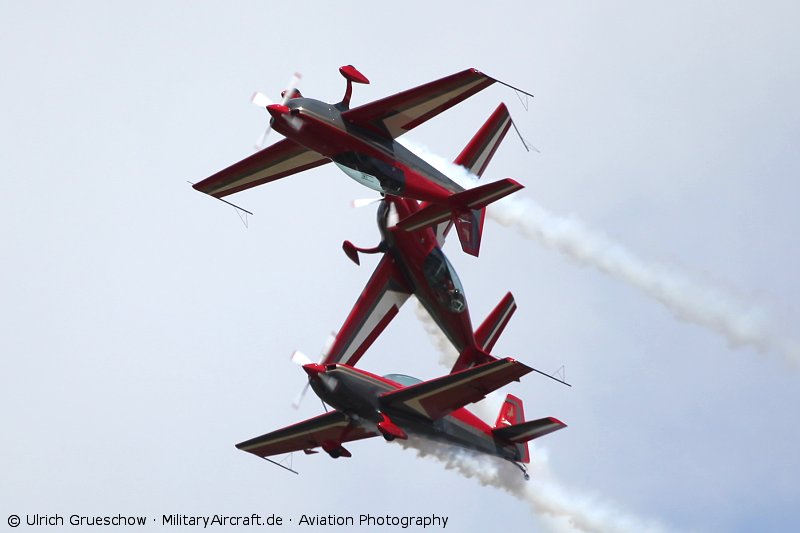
[398, 406]
[362, 142]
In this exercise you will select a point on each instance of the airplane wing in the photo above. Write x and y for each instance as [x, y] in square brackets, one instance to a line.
[333, 427]
[438, 397]
[277, 161]
[399, 113]
[381, 299]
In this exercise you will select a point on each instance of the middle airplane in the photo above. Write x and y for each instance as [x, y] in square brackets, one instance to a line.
[413, 263]
[362, 142]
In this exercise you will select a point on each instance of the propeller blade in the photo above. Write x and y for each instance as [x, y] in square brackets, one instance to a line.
[299, 399]
[293, 83]
[364, 202]
[328, 381]
[327, 346]
[392, 218]
[261, 99]
[300, 358]
[261, 140]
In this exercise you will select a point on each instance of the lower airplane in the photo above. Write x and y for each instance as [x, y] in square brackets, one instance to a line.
[397, 406]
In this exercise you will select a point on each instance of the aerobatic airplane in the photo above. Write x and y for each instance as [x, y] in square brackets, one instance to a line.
[398, 406]
[413, 263]
[362, 142]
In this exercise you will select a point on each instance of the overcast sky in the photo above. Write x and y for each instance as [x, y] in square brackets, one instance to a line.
[144, 330]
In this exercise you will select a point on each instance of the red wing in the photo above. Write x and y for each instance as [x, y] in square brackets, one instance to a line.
[438, 397]
[399, 113]
[381, 299]
[282, 159]
[332, 427]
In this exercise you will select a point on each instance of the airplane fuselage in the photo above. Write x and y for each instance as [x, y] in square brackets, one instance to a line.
[378, 162]
[357, 394]
[428, 272]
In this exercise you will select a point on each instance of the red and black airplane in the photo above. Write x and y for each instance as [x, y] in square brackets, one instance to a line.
[413, 263]
[397, 406]
[362, 142]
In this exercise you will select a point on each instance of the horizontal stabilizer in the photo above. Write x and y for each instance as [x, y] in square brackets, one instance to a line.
[438, 397]
[464, 208]
[475, 157]
[526, 431]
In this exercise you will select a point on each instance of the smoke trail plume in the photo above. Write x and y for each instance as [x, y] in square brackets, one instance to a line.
[447, 352]
[543, 492]
[740, 322]
[545, 495]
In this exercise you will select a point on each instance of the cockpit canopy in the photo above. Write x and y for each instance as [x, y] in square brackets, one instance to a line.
[444, 282]
[402, 379]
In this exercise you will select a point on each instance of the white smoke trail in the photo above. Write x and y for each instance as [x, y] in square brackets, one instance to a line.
[543, 492]
[447, 352]
[545, 495]
[742, 323]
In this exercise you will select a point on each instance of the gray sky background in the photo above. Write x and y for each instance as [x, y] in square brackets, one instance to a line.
[144, 331]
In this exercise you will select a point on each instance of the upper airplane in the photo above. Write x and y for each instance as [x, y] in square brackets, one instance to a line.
[362, 142]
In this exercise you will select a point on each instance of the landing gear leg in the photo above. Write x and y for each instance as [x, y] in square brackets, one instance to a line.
[524, 470]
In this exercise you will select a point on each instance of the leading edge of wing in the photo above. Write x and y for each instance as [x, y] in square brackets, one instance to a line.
[277, 161]
[438, 397]
[377, 305]
[332, 427]
[401, 112]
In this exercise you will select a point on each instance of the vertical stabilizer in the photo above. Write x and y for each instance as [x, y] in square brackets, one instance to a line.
[512, 414]
[475, 157]
[490, 330]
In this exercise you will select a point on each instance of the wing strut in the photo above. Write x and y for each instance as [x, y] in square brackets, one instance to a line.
[525, 94]
[239, 210]
[276, 463]
[525, 143]
[554, 378]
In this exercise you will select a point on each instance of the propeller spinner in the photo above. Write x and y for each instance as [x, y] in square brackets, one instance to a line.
[262, 100]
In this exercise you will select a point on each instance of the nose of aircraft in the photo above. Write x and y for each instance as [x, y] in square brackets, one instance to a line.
[314, 369]
[276, 110]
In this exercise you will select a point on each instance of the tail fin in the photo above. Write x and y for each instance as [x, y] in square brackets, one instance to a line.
[466, 209]
[470, 357]
[487, 334]
[512, 413]
[475, 157]
[511, 427]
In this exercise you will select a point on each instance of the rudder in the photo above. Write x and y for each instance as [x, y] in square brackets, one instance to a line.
[511, 414]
